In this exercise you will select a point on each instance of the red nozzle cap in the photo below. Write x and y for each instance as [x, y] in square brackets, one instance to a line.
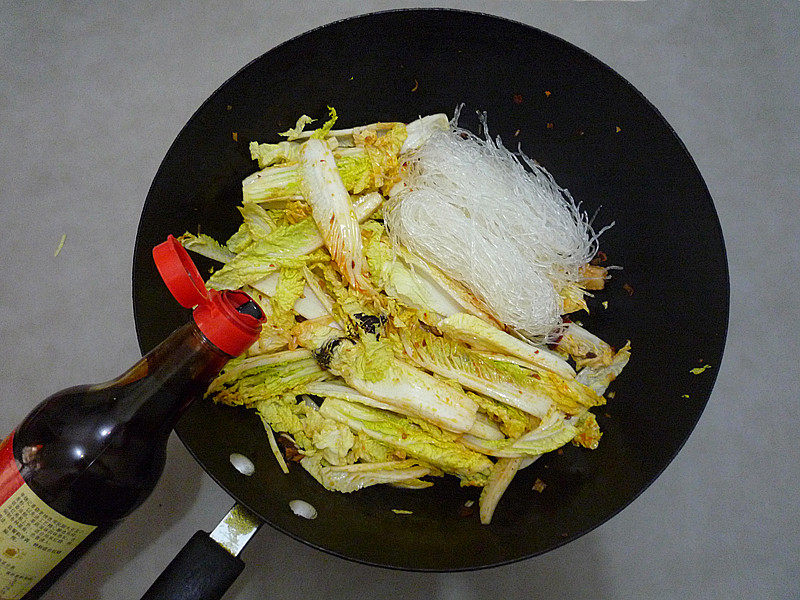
[224, 325]
[230, 319]
[179, 273]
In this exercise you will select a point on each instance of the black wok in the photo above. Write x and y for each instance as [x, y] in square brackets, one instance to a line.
[599, 137]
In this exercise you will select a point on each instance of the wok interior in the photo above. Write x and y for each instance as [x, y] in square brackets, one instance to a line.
[599, 138]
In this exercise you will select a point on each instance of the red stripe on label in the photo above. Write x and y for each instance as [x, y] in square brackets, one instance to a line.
[10, 479]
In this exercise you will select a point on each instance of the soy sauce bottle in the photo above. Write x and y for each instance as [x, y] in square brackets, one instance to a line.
[89, 455]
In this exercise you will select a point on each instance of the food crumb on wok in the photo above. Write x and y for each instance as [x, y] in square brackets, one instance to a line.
[416, 86]
[547, 93]
[698, 370]
[517, 98]
[235, 136]
[628, 288]
[401, 511]
[290, 450]
[618, 129]
[539, 485]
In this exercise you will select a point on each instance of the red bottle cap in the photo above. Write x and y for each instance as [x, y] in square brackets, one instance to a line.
[180, 273]
[216, 314]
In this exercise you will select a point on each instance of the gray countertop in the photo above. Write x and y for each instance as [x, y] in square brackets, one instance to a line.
[91, 97]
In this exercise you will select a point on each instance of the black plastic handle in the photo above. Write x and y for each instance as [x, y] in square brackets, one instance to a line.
[202, 570]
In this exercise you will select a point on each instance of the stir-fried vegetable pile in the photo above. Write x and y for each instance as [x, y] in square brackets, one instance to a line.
[379, 365]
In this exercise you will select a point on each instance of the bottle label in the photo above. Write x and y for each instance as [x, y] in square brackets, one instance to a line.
[33, 537]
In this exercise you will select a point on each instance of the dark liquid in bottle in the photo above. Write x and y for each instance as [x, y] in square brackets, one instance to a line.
[95, 453]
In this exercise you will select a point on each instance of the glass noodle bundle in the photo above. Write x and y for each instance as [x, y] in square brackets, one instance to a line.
[509, 233]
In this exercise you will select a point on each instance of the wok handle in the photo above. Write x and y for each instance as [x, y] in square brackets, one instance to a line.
[202, 570]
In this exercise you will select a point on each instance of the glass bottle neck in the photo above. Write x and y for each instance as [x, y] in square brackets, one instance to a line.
[159, 387]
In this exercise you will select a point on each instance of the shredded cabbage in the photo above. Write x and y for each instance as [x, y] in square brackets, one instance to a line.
[411, 276]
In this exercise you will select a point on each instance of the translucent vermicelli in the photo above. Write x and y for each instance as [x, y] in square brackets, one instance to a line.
[507, 232]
